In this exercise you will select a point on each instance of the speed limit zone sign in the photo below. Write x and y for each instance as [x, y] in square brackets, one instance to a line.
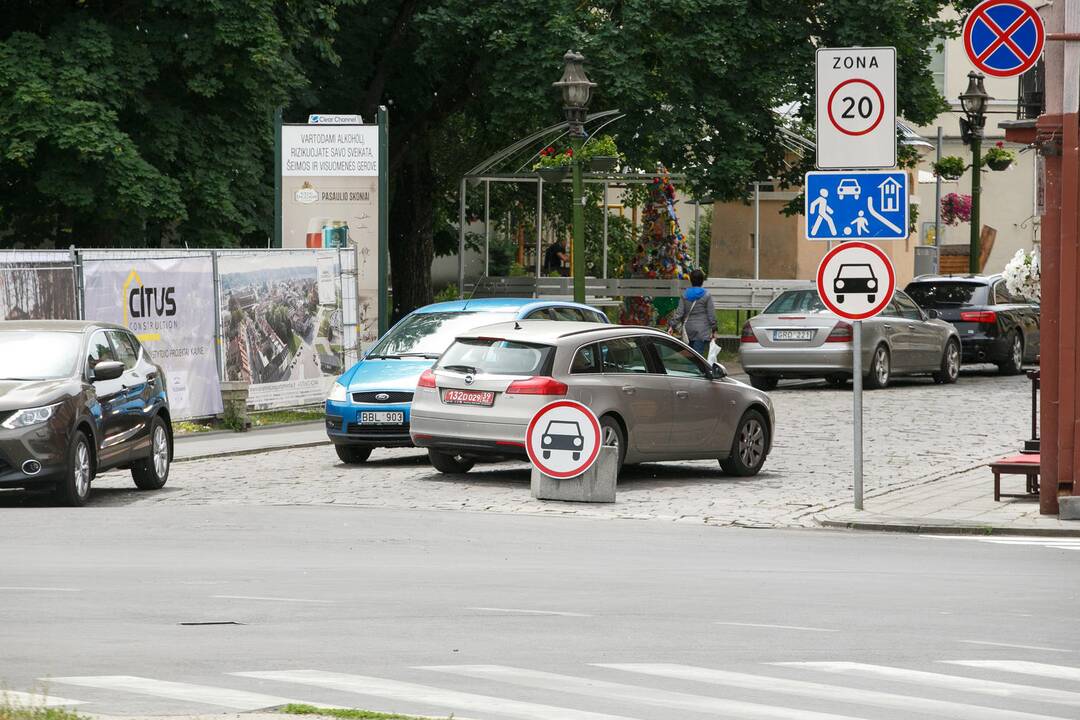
[856, 108]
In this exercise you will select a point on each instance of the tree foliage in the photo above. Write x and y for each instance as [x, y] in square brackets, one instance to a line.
[125, 123]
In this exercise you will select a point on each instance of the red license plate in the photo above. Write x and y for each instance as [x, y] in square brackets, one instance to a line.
[468, 397]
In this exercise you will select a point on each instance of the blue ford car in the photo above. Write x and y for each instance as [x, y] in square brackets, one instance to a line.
[369, 405]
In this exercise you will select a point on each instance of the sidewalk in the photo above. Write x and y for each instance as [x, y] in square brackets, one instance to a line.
[957, 504]
[197, 446]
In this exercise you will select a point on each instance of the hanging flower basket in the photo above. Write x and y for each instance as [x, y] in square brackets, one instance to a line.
[998, 158]
[553, 174]
[949, 167]
[603, 163]
[955, 208]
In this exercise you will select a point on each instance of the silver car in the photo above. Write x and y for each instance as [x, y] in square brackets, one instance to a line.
[797, 337]
[655, 397]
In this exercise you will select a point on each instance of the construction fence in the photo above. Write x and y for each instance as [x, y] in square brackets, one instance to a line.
[287, 322]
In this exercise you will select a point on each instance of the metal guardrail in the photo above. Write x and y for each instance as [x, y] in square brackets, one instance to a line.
[727, 293]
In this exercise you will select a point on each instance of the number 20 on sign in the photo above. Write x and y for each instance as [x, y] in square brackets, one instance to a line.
[856, 108]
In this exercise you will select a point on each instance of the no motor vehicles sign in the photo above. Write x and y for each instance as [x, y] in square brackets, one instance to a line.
[856, 108]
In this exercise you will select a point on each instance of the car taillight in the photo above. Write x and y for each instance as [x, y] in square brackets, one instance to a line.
[841, 333]
[427, 379]
[539, 385]
[986, 317]
[748, 335]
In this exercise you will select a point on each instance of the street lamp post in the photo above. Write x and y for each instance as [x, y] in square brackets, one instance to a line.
[973, 101]
[576, 91]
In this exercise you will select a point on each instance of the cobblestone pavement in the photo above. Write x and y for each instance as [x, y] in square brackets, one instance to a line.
[915, 431]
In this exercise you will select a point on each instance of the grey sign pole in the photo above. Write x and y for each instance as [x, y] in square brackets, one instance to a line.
[856, 382]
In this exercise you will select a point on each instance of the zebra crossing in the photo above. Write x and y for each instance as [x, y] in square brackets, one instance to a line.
[958, 689]
[1058, 543]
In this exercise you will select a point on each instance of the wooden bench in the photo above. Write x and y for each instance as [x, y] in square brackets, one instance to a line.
[1027, 465]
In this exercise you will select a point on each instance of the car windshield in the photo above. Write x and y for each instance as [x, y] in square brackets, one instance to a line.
[855, 271]
[796, 301]
[939, 294]
[496, 357]
[560, 427]
[38, 355]
[429, 334]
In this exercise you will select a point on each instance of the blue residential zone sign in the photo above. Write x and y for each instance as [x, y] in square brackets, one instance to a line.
[856, 205]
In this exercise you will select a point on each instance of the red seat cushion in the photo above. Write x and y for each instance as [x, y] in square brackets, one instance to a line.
[1032, 459]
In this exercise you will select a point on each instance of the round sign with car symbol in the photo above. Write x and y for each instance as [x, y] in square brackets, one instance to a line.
[856, 280]
[563, 439]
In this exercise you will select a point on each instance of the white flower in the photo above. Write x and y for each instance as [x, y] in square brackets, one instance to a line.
[1023, 275]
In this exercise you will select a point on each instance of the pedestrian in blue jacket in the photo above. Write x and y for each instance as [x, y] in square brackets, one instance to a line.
[696, 315]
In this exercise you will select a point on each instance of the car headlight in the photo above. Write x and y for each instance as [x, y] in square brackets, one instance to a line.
[839, 283]
[30, 416]
[871, 284]
[338, 393]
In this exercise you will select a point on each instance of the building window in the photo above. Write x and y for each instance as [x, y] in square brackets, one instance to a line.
[937, 64]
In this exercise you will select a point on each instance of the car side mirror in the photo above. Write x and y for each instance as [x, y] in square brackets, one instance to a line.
[933, 314]
[106, 370]
[718, 371]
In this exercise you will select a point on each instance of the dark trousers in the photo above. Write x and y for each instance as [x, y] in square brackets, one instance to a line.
[701, 346]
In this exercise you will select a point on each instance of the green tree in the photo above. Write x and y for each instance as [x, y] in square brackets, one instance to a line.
[698, 80]
[133, 123]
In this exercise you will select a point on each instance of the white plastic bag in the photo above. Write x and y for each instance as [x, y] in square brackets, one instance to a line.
[714, 352]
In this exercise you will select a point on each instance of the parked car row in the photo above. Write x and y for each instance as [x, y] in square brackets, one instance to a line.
[931, 328]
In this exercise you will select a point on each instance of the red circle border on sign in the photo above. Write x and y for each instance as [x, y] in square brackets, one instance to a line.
[886, 296]
[1028, 13]
[881, 104]
[532, 425]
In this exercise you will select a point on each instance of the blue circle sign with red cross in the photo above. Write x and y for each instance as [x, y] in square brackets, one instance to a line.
[1004, 37]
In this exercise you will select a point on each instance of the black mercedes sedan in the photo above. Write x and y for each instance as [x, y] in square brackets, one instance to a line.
[994, 325]
[76, 399]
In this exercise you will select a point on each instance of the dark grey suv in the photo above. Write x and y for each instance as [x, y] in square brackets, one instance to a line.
[76, 399]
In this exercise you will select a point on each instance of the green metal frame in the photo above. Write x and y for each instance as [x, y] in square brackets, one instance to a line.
[384, 217]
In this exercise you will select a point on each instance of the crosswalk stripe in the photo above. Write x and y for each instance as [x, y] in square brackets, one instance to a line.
[1023, 667]
[835, 693]
[945, 682]
[452, 700]
[634, 694]
[35, 700]
[205, 694]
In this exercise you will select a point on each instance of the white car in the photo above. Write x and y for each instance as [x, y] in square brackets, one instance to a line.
[848, 186]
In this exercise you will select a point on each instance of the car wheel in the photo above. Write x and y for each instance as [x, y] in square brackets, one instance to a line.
[837, 381]
[74, 487]
[870, 298]
[749, 446]
[1014, 362]
[764, 382]
[839, 298]
[450, 464]
[352, 454]
[576, 456]
[880, 369]
[151, 473]
[950, 364]
[611, 435]
[547, 454]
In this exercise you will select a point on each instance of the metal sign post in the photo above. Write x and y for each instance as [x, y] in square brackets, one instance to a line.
[856, 385]
[856, 280]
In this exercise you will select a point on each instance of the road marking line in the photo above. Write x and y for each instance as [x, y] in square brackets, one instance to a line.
[14, 588]
[449, 700]
[633, 693]
[205, 694]
[273, 599]
[834, 693]
[945, 682]
[1011, 645]
[529, 612]
[1058, 672]
[776, 627]
[35, 700]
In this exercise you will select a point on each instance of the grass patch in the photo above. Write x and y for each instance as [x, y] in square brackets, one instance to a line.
[184, 427]
[344, 714]
[294, 343]
[281, 417]
[8, 711]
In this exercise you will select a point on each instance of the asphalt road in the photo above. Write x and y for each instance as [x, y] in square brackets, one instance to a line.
[502, 616]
